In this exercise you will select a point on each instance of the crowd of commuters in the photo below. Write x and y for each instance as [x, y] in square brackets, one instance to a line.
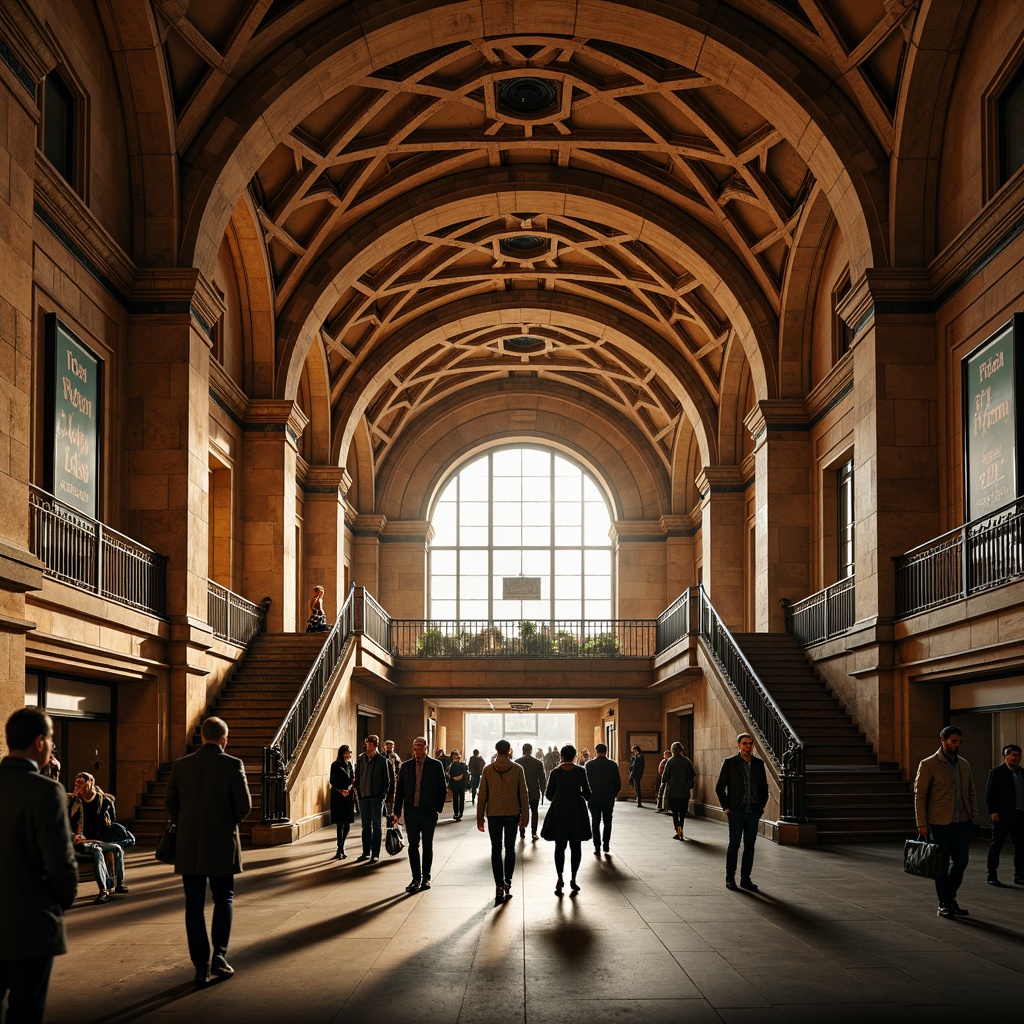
[48, 833]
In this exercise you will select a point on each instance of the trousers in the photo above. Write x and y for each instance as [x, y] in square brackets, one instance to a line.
[502, 830]
[222, 890]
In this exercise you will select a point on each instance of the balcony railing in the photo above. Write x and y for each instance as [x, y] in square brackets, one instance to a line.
[826, 614]
[232, 617]
[278, 757]
[674, 622]
[975, 557]
[84, 553]
[516, 638]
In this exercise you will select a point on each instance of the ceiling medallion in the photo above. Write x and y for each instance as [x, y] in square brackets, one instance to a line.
[523, 344]
[523, 243]
[527, 97]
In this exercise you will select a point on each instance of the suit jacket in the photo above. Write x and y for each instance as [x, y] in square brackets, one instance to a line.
[38, 871]
[605, 780]
[536, 777]
[432, 785]
[935, 794]
[637, 764]
[1000, 795]
[730, 783]
[207, 797]
[381, 776]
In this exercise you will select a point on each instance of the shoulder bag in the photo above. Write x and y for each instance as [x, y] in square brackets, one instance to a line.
[167, 847]
[922, 857]
[394, 841]
[116, 833]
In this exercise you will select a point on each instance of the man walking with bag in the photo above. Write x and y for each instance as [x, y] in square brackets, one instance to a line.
[420, 793]
[207, 797]
[946, 805]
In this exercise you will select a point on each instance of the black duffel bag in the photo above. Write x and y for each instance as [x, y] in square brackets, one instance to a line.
[394, 841]
[922, 857]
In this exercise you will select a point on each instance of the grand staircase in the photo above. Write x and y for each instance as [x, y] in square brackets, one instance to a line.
[254, 702]
[850, 796]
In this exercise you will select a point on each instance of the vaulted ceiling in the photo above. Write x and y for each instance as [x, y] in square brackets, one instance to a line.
[408, 212]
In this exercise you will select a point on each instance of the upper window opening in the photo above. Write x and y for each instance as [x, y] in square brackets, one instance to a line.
[521, 514]
[59, 126]
[1011, 127]
[841, 330]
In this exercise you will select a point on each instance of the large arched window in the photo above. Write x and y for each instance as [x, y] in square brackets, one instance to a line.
[509, 518]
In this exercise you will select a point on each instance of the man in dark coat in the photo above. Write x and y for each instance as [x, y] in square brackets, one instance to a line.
[38, 872]
[536, 780]
[605, 782]
[636, 772]
[420, 792]
[207, 797]
[1004, 796]
[743, 793]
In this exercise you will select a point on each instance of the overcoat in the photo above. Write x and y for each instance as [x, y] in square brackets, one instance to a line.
[343, 776]
[207, 797]
[38, 871]
[568, 816]
[678, 777]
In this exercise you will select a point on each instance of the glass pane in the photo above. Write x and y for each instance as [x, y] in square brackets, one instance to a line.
[571, 610]
[508, 563]
[473, 513]
[595, 529]
[568, 536]
[508, 536]
[535, 535]
[507, 488]
[536, 611]
[568, 488]
[444, 522]
[508, 513]
[568, 513]
[473, 610]
[473, 488]
[508, 462]
[442, 609]
[598, 587]
[442, 588]
[72, 695]
[31, 689]
[536, 513]
[567, 563]
[473, 588]
[537, 563]
[569, 585]
[536, 463]
[598, 609]
[473, 562]
[442, 563]
[597, 563]
[475, 535]
[505, 610]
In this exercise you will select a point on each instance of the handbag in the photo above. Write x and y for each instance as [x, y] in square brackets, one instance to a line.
[922, 857]
[394, 841]
[167, 848]
[116, 833]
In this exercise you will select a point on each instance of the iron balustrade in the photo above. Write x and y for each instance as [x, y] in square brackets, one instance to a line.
[279, 755]
[821, 616]
[972, 558]
[674, 622]
[370, 619]
[523, 638]
[84, 553]
[777, 737]
[233, 617]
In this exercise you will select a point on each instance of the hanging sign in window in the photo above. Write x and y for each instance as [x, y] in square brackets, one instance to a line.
[520, 588]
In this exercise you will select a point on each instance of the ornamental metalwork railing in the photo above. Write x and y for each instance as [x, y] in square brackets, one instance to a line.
[84, 553]
[523, 638]
[233, 617]
[824, 615]
[972, 558]
[777, 738]
[674, 622]
[283, 748]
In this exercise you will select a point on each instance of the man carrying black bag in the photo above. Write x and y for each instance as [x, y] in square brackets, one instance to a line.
[420, 791]
[946, 805]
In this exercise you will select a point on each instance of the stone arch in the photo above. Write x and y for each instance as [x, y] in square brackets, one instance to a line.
[732, 434]
[940, 31]
[810, 110]
[686, 464]
[316, 375]
[510, 411]
[138, 56]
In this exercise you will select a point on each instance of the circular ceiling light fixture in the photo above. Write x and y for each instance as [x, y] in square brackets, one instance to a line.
[527, 97]
[523, 243]
[523, 344]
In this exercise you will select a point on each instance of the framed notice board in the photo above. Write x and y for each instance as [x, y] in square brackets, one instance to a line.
[73, 418]
[992, 386]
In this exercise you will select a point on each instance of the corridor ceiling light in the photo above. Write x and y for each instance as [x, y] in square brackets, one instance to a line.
[527, 97]
[520, 705]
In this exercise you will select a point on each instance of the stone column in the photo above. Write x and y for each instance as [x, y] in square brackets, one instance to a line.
[782, 486]
[641, 567]
[722, 512]
[24, 62]
[167, 505]
[403, 568]
[366, 532]
[270, 450]
[680, 532]
[324, 527]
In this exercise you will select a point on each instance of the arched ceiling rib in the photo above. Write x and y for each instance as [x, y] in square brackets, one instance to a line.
[730, 115]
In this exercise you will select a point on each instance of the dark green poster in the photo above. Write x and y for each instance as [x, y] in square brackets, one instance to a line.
[991, 441]
[76, 373]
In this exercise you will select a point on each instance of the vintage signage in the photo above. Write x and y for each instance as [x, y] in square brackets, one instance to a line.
[520, 588]
[74, 420]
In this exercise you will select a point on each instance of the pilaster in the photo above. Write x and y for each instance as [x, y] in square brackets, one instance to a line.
[324, 492]
[403, 567]
[722, 515]
[641, 569]
[366, 533]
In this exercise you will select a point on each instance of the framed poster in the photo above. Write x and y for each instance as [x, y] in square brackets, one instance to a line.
[991, 385]
[73, 419]
[648, 742]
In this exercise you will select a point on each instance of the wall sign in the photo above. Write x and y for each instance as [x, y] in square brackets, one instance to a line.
[520, 588]
[991, 421]
[74, 419]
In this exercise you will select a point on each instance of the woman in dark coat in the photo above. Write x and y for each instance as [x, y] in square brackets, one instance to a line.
[677, 781]
[343, 796]
[567, 822]
[458, 779]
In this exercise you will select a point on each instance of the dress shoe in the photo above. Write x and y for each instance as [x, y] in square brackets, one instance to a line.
[746, 883]
[413, 886]
[572, 885]
[558, 887]
[102, 897]
[995, 882]
[958, 910]
[122, 888]
[606, 850]
[730, 883]
[338, 856]
[373, 860]
[534, 837]
[597, 851]
[202, 978]
[522, 833]
[425, 884]
[944, 911]
[363, 856]
[499, 894]
[221, 967]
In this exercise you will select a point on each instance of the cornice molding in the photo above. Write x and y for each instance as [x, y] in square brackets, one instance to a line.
[408, 530]
[369, 524]
[30, 55]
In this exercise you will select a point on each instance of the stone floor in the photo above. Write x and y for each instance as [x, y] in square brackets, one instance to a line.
[836, 933]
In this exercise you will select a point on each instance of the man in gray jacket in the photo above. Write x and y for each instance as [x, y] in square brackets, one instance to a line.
[505, 802]
[605, 782]
[207, 797]
[946, 805]
[38, 872]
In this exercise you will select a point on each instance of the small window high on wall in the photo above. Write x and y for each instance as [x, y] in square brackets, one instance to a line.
[846, 524]
[58, 131]
[1011, 127]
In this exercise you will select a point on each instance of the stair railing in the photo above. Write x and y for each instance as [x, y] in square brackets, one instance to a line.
[765, 719]
[278, 756]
